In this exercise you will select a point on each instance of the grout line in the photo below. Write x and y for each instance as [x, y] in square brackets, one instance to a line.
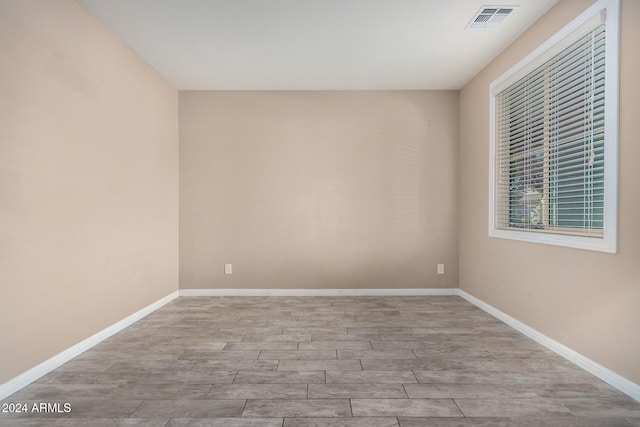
[457, 406]
[210, 390]
[405, 390]
[136, 408]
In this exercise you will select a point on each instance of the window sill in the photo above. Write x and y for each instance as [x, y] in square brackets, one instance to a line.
[599, 244]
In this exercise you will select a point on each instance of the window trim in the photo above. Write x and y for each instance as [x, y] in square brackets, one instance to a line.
[609, 240]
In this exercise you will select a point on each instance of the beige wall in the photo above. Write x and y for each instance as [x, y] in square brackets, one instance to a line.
[318, 189]
[585, 300]
[88, 181]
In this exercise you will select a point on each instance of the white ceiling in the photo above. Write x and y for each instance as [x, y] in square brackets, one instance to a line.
[313, 44]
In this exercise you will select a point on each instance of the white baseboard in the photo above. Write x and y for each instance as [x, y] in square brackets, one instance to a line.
[317, 292]
[26, 378]
[619, 382]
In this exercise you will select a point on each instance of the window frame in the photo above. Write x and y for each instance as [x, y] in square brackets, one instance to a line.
[608, 241]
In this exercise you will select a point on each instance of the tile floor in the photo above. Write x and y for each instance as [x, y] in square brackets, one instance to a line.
[322, 361]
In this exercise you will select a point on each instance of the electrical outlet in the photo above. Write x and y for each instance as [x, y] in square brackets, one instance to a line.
[228, 269]
[440, 268]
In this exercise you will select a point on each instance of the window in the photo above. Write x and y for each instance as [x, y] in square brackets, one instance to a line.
[554, 138]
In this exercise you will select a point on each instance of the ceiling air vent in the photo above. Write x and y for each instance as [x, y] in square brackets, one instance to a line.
[490, 16]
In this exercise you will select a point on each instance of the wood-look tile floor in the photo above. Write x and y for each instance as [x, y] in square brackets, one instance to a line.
[322, 361]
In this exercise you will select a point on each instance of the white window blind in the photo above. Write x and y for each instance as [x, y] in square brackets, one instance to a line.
[549, 137]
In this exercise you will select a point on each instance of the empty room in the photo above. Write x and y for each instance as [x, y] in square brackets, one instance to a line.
[319, 213]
